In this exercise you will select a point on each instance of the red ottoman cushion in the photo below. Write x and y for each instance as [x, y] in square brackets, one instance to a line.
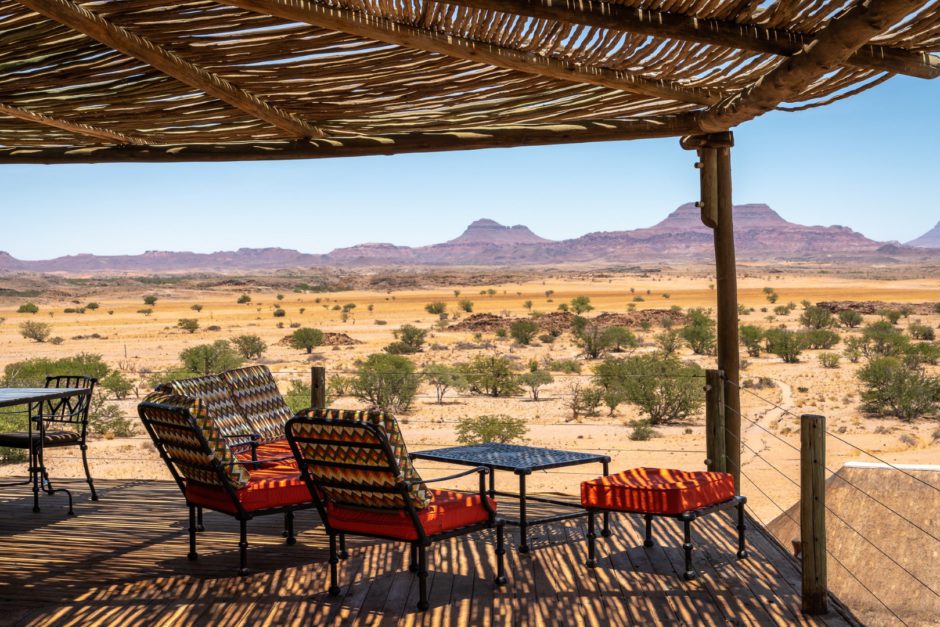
[657, 491]
[448, 510]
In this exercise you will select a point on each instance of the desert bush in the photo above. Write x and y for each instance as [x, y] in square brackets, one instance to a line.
[854, 349]
[146, 311]
[663, 388]
[893, 388]
[920, 331]
[820, 338]
[210, 358]
[619, 339]
[443, 377]
[669, 342]
[584, 400]
[436, 308]
[150, 300]
[782, 310]
[890, 315]
[491, 375]
[785, 344]
[641, 430]
[279, 313]
[523, 331]
[36, 331]
[565, 366]
[816, 318]
[386, 382]
[490, 428]
[770, 295]
[244, 299]
[699, 332]
[883, 339]
[29, 308]
[57, 340]
[751, 337]
[190, 325]
[922, 353]
[829, 360]
[409, 339]
[33, 372]
[306, 339]
[116, 383]
[92, 306]
[534, 380]
[465, 305]
[340, 385]
[297, 396]
[581, 304]
[196, 307]
[850, 319]
[74, 310]
[250, 346]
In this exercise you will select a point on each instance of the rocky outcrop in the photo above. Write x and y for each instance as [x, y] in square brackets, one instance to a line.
[930, 239]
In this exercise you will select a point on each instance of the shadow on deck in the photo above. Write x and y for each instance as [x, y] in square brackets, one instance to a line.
[122, 560]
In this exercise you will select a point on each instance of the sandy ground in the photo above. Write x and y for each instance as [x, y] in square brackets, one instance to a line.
[138, 344]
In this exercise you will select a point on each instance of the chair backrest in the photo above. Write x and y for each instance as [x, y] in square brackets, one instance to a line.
[189, 441]
[215, 397]
[255, 392]
[356, 458]
[71, 409]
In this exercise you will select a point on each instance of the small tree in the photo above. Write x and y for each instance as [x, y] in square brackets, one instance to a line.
[150, 300]
[436, 308]
[920, 331]
[829, 360]
[210, 358]
[699, 332]
[883, 339]
[306, 339]
[785, 344]
[751, 337]
[891, 315]
[466, 305]
[29, 308]
[523, 331]
[581, 304]
[490, 428]
[410, 340]
[92, 306]
[663, 388]
[534, 380]
[816, 318]
[669, 342]
[527, 304]
[190, 325]
[196, 307]
[443, 377]
[893, 388]
[116, 383]
[386, 382]
[491, 375]
[820, 338]
[279, 313]
[850, 319]
[620, 339]
[36, 331]
[250, 346]
[771, 295]
[244, 299]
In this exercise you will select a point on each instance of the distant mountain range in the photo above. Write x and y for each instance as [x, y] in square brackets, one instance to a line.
[760, 235]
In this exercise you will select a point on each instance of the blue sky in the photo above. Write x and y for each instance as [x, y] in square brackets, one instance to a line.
[869, 162]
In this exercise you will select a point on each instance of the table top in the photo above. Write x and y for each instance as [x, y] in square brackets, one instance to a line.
[23, 396]
[513, 457]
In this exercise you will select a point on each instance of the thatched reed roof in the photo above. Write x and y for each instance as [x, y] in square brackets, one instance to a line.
[153, 80]
[860, 494]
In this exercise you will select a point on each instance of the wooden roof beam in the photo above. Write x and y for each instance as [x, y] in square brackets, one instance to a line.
[416, 142]
[72, 127]
[829, 49]
[751, 37]
[94, 26]
[388, 31]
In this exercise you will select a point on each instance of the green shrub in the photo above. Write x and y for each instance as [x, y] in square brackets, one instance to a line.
[443, 377]
[150, 300]
[920, 331]
[523, 331]
[850, 318]
[619, 339]
[465, 305]
[386, 382]
[893, 388]
[699, 332]
[820, 338]
[663, 388]
[109, 421]
[669, 342]
[410, 339]
[751, 337]
[581, 304]
[534, 380]
[816, 318]
[782, 310]
[891, 315]
[884, 340]
[279, 313]
[29, 308]
[298, 395]
[36, 331]
[436, 308]
[190, 325]
[566, 366]
[490, 428]
[641, 430]
[249, 346]
[491, 375]
[196, 307]
[33, 372]
[116, 383]
[306, 339]
[829, 360]
[785, 344]
[210, 358]
[244, 299]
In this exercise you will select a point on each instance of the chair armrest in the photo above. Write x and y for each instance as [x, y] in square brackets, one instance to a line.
[483, 470]
[258, 462]
[252, 436]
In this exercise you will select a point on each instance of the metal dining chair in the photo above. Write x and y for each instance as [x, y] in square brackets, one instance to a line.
[55, 423]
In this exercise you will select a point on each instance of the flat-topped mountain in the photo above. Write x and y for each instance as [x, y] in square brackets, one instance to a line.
[930, 239]
[761, 234]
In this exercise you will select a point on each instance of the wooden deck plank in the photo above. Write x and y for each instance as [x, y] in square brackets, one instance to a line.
[122, 560]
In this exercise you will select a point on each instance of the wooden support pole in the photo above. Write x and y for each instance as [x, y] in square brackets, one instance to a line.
[715, 421]
[318, 387]
[813, 513]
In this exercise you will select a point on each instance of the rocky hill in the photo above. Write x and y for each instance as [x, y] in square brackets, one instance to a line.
[760, 235]
[930, 239]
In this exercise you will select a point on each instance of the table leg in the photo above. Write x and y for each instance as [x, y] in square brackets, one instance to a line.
[34, 464]
[605, 530]
[523, 541]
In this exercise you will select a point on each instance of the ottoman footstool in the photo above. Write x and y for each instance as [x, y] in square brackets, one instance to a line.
[678, 494]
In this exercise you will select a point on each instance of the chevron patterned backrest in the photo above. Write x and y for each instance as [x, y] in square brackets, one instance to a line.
[256, 394]
[348, 444]
[176, 422]
[215, 396]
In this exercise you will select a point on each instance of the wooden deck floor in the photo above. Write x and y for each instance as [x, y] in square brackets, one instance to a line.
[122, 560]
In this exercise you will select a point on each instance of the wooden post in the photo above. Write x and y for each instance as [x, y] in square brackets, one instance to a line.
[715, 421]
[318, 387]
[813, 513]
[715, 163]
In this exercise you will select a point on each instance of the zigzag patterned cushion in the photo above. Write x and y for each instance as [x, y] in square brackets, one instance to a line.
[216, 397]
[348, 449]
[256, 394]
[181, 441]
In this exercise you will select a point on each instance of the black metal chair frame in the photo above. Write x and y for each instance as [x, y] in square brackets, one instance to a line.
[418, 555]
[686, 518]
[72, 410]
[216, 467]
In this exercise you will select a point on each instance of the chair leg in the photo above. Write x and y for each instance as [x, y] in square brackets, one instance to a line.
[243, 548]
[91, 483]
[343, 553]
[592, 539]
[36, 471]
[413, 557]
[199, 525]
[648, 541]
[742, 551]
[334, 560]
[500, 554]
[192, 533]
[289, 527]
[422, 577]
[689, 574]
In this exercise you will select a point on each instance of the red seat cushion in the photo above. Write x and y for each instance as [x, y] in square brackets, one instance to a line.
[448, 510]
[272, 451]
[268, 487]
[657, 491]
